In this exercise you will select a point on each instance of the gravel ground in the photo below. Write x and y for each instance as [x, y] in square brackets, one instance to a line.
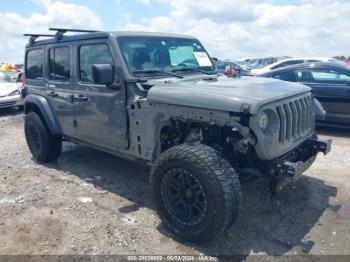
[93, 203]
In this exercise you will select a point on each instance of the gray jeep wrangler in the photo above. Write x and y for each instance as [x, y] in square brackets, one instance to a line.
[156, 98]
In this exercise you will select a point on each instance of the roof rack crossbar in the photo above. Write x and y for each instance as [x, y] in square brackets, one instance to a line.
[61, 31]
[33, 37]
[73, 30]
[59, 34]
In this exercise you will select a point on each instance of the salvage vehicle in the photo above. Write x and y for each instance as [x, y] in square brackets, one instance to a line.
[155, 98]
[330, 82]
[10, 94]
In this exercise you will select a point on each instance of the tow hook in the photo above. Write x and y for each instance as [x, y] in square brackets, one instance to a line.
[321, 146]
[283, 173]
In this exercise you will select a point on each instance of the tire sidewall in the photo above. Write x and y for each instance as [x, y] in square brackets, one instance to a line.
[215, 201]
[32, 120]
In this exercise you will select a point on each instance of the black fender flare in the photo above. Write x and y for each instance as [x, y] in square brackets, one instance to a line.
[40, 102]
[319, 110]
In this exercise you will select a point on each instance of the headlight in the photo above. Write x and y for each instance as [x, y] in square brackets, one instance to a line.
[263, 121]
[14, 93]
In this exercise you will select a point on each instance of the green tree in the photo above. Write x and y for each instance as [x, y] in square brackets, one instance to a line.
[340, 57]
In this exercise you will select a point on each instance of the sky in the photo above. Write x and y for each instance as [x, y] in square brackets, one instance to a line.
[229, 29]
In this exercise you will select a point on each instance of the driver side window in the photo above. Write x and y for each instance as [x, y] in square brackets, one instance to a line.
[92, 54]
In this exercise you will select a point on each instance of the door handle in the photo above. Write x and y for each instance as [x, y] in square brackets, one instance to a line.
[81, 98]
[53, 94]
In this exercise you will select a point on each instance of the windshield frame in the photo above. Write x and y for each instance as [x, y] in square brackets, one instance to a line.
[130, 70]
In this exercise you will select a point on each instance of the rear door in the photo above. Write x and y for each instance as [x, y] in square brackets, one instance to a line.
[101, 114]
[331, 88]
[60, 86]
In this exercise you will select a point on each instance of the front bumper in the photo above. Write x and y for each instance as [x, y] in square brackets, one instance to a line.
[11, 101]
[291, 167]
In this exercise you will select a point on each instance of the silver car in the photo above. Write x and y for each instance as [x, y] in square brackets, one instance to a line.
[10, 93]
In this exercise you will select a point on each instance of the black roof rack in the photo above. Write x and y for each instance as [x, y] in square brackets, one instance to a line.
[59, 34]
[61, 31]
[33, 37]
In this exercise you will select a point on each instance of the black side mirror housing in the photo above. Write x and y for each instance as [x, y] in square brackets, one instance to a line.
[103, 74]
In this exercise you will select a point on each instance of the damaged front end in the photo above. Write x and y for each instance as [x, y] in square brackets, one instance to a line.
[291, 166]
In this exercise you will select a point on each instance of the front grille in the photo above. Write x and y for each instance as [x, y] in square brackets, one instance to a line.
[296, 118]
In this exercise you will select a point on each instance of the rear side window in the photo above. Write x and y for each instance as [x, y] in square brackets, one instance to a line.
[34, 65]
[59, 63]
[286, 76]
[90, 55]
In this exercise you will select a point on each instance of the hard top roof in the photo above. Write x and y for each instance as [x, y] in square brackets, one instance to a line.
[103, 34]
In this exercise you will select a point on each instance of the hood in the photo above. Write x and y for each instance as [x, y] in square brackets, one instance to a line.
[223, 93]
[7, 88]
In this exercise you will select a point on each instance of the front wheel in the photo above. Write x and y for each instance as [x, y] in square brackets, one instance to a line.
[195, 192]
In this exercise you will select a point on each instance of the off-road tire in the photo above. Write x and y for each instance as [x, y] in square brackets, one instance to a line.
[44, 146]
[219, 181]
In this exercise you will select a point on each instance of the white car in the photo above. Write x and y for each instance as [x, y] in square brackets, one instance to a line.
[10, 93]
[288, 62]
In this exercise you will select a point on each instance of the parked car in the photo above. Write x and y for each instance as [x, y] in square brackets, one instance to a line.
[288, 62]
[10, 94]
[245, 65]
[330, 82]
[221, 67]
[262, 62]
[132, 95]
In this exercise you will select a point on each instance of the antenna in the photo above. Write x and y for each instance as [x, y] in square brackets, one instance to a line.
[33, 37]
[61, 31]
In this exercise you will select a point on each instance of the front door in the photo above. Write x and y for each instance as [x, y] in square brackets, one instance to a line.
[100, 110]
[331, 88]
[60, 86]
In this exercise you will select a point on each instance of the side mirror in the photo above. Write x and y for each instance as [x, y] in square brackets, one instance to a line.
[103, 74]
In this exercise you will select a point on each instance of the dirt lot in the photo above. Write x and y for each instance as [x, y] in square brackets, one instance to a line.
[94, 203]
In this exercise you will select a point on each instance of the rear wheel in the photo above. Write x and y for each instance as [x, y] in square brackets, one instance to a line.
[196, 192]
[44, 146]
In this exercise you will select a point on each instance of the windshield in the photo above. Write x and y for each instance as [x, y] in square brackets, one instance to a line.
[5, 77]
[155, 54]
[244, 65]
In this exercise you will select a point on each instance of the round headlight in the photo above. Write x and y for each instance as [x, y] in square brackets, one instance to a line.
[263, 120]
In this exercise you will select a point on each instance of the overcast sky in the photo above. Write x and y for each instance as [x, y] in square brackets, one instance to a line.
[228, 28]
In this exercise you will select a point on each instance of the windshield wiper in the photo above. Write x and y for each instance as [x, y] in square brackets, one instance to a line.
[194, 69]
[153, 71]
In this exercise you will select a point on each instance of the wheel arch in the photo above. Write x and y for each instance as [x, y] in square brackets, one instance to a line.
[39, 105]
